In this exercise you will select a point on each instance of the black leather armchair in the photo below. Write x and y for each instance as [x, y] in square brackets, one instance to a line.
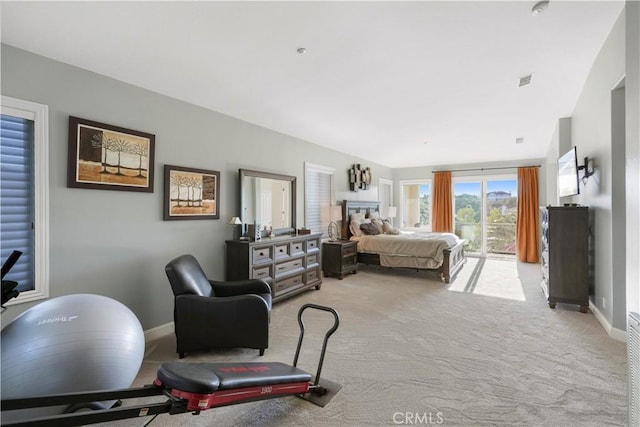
[210, 314]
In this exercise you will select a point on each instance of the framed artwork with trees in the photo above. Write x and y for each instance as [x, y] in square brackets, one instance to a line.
[191, 193]
[105, 157]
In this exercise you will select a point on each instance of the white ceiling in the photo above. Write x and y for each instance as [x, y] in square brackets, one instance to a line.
[397, 83]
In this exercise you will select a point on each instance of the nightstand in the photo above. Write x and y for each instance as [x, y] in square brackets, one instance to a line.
[339, 258]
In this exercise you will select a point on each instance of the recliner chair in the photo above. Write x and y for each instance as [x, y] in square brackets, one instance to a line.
[212, 314]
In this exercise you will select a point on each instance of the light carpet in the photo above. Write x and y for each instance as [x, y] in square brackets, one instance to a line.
[485, 350]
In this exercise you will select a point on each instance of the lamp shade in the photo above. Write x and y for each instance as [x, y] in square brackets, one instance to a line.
[235, 221]
[336, 213]
[331, 213]
[392, 212]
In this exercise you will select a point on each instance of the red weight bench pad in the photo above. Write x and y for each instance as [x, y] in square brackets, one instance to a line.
[207, 385]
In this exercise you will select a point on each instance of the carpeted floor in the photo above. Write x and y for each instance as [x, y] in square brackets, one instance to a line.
[483, 351]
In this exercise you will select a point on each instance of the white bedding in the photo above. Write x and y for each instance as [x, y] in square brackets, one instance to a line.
[419, 250]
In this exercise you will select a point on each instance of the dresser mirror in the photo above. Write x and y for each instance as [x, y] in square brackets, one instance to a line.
[268, 200]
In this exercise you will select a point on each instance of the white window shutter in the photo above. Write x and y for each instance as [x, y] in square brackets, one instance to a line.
[318, 196]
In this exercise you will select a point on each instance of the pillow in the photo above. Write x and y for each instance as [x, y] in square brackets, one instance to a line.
[369, 229]
[354, 227]
[374, 214]
[388, 229]
[378, 225]
[357, 217]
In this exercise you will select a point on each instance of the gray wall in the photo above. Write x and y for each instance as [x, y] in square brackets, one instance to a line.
[592, 133]
[632, 147]
[115, 243]
[560, 143]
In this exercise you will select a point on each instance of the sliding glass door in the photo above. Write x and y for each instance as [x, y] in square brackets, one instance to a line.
[500, 223]
[467, 210]
[485, 213]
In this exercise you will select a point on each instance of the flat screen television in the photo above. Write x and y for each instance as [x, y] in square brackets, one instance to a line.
[568, 180]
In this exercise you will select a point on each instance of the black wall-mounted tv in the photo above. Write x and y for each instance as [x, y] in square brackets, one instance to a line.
[568, 180]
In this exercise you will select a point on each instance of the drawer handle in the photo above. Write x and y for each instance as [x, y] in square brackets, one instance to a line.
[281, 250]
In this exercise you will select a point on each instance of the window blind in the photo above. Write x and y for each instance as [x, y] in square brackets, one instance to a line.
[318, 193]
[16, 197]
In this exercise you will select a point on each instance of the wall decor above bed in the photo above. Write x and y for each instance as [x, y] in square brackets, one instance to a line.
[359, 177]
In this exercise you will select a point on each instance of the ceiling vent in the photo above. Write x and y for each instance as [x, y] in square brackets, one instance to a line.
[519, 140]
[525, 80]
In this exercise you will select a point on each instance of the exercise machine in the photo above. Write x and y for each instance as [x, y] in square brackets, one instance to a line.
[9, 286]
[190, 387]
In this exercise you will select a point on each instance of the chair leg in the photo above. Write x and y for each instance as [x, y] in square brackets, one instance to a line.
[262, 352]
[181, 355]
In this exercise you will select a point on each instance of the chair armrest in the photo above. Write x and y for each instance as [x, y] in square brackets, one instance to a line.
[240, 287]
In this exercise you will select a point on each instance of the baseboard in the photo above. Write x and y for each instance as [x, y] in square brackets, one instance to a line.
[158, 332]
[615, 333]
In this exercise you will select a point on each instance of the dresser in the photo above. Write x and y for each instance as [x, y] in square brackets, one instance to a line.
[339, 257]
[290, 264]
[565, 255]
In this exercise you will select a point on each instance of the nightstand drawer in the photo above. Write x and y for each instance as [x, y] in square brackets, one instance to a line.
[350, 260]
[348, 250]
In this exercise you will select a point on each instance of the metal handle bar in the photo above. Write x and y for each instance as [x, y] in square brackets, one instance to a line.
[330, 332]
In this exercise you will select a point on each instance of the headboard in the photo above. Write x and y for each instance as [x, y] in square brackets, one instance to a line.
[355, 206]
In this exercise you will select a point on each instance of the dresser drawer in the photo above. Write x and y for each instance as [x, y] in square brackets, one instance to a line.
[262, 273]
[289, 284]
[313, 275]
[312, 260]
[289, 266]
[313, 245]
[281, 251]
[262, 254]
[296, 248]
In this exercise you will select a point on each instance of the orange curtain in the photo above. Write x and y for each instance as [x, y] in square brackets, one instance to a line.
[527, 231]
[442, 205]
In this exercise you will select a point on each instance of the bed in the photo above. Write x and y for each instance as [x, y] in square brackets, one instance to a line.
[441, 252]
